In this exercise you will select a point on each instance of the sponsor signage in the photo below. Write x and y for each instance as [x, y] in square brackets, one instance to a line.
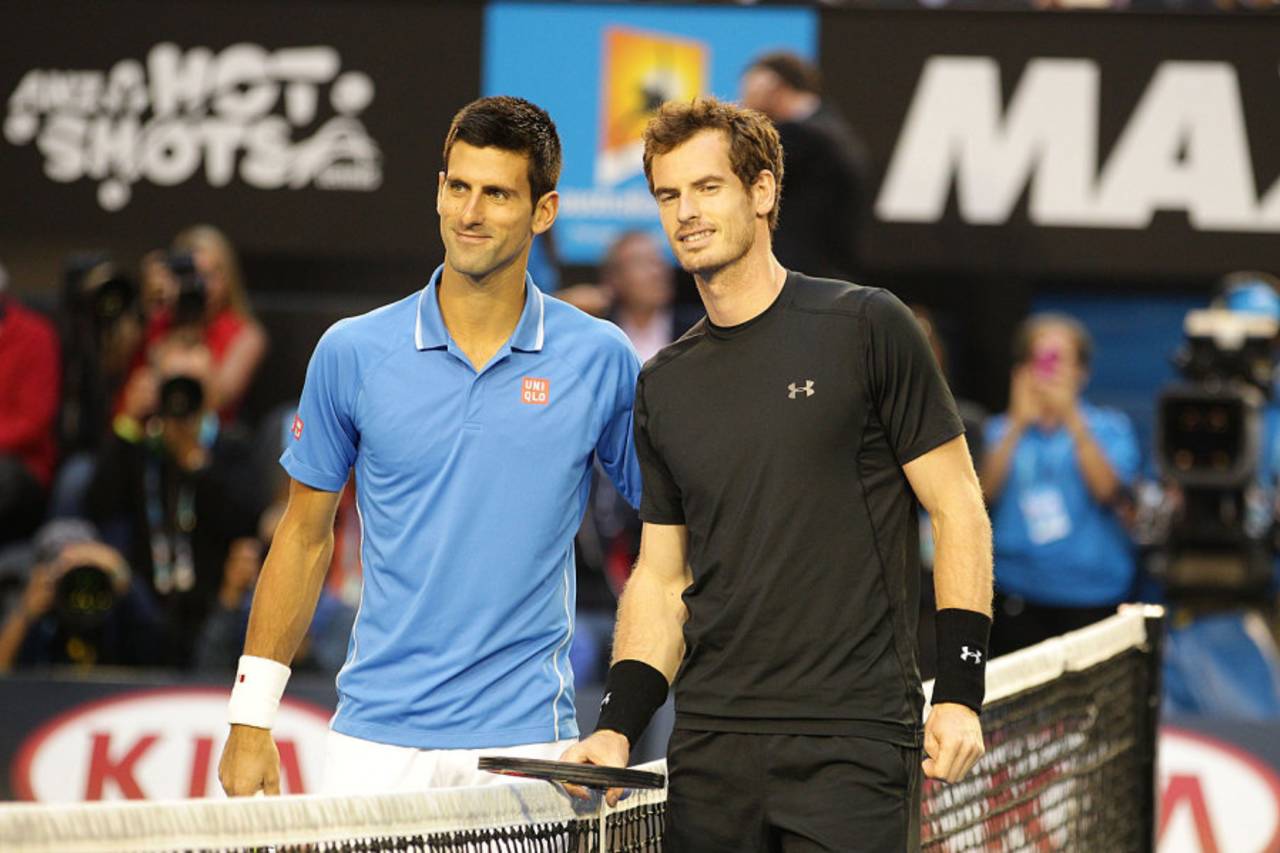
[1215, 796]
[314, 132]
[1084, 144]
[617, 65]
[161, 743]
[272, 119]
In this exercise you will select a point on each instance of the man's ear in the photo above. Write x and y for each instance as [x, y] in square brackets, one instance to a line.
[765, 192]
[545, 212]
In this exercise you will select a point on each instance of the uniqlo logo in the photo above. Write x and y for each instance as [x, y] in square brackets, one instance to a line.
[297, 427]
[536, 392]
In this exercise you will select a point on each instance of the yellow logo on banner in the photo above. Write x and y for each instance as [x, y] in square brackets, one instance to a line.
[641, 71]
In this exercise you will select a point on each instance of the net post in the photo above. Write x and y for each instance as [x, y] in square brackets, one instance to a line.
[1153, 617]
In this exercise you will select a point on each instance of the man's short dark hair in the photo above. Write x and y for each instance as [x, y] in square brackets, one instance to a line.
[796, 72]
[512, 124]
[1029, 327]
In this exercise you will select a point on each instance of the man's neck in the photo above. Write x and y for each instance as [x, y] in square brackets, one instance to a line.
[482, 314]
[744, 289]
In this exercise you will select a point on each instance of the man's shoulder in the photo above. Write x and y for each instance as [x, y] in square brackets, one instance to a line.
[570, 322]
[583, 340]
[832, 295]
[672, 353]
[375, 331]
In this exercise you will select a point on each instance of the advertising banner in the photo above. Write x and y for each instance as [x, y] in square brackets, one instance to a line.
[311, 128]
[128, 738]
[601, 71]
[1083, 144]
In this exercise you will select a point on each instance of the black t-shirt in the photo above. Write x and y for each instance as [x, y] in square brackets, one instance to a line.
[779, 443]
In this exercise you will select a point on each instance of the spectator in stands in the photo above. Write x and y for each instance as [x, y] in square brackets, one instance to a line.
[199, 284]
[29, 384]
[1056, 471]
[101, 332]
[323, 649]
[173, 488]
[79, 605]
[641, 282]
[826, 188]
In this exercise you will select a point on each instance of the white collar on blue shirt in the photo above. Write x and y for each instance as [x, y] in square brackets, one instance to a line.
[430, 333]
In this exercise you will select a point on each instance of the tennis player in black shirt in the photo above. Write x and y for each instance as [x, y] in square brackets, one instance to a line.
[784, 443]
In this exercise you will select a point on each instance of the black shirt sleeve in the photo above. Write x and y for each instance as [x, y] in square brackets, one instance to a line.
[908, 390]
[661, 502]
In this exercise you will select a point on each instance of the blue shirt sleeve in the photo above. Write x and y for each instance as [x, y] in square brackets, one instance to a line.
[616, 448]
[323, 440]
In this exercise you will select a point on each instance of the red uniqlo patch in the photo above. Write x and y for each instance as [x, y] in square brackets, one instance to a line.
[534, 391]
[297, 427]
[242, 678]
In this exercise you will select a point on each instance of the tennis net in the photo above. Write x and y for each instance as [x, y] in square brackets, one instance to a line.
[1069, 726]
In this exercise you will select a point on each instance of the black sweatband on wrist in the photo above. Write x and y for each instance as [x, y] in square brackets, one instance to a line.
[962, 657]
[633, 691]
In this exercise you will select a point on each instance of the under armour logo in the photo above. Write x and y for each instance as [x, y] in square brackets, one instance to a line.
[605, 700]
[971, 655]
[806, 389]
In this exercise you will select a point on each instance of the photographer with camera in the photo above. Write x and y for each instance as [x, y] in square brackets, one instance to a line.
[173, 488]
[78, 606]
[198, 287]
[1056, 471]
[29, 380]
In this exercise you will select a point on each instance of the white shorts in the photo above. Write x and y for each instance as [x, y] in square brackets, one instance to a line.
[356, 766]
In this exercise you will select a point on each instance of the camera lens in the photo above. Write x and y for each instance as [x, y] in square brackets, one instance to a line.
[84, 597]
[181, 397]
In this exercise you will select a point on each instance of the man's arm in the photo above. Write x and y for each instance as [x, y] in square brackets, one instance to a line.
[283, 604]
[650, 629]
[946, 485]
[651, 612]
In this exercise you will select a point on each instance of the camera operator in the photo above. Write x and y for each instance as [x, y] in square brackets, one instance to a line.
[1055, 472]
[29, 358]
[79, 605]
[101, 331]
[197, 287]
[174, 488]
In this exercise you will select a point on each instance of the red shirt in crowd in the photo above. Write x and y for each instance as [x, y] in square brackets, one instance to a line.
[30, 384]
[219, 334]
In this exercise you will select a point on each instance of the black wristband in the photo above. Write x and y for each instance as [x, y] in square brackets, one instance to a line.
[962, 657]
[632, 693]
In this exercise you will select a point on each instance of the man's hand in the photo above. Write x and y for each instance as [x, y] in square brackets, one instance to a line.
[605, 748]
[952, 742]
[250, 763]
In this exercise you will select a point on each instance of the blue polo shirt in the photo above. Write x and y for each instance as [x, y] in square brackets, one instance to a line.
[1054, 544]
[470, 487]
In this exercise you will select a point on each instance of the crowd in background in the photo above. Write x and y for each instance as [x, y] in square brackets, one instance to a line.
[136, 505]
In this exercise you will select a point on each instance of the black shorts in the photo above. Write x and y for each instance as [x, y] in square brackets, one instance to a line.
[773, 792]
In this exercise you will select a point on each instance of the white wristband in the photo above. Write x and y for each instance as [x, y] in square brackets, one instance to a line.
[256, 695]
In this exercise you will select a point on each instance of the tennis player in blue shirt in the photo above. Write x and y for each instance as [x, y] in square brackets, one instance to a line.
[472, 412]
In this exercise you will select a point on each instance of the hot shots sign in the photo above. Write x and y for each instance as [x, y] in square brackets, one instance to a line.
[269, 118]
